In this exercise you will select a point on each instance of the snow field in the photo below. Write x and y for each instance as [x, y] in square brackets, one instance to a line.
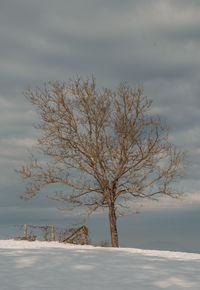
[52, 265]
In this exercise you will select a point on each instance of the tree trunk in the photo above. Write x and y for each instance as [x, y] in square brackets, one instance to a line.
[113, 226]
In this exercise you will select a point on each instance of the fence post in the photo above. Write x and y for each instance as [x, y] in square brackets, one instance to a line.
[45, 233]
[53, 233]
[25, 232]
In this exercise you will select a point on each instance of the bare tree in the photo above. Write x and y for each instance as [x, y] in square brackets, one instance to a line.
[105, 145]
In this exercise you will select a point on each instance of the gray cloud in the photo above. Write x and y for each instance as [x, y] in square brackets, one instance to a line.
[155, 43]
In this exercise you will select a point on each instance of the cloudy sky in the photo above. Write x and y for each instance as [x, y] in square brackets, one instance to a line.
[155, 43]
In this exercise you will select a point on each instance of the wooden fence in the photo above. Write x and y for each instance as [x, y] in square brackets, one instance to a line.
[78, 235]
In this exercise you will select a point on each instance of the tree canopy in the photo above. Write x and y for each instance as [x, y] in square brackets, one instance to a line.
[106, 145]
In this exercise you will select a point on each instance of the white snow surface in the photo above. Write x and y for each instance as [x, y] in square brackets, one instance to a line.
[53, 265]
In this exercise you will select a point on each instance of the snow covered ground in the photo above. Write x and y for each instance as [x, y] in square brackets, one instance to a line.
[51, 265]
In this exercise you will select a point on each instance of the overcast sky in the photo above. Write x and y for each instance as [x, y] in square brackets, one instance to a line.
[155, 43]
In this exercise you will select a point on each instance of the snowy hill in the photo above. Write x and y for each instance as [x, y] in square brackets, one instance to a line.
[51, 265]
